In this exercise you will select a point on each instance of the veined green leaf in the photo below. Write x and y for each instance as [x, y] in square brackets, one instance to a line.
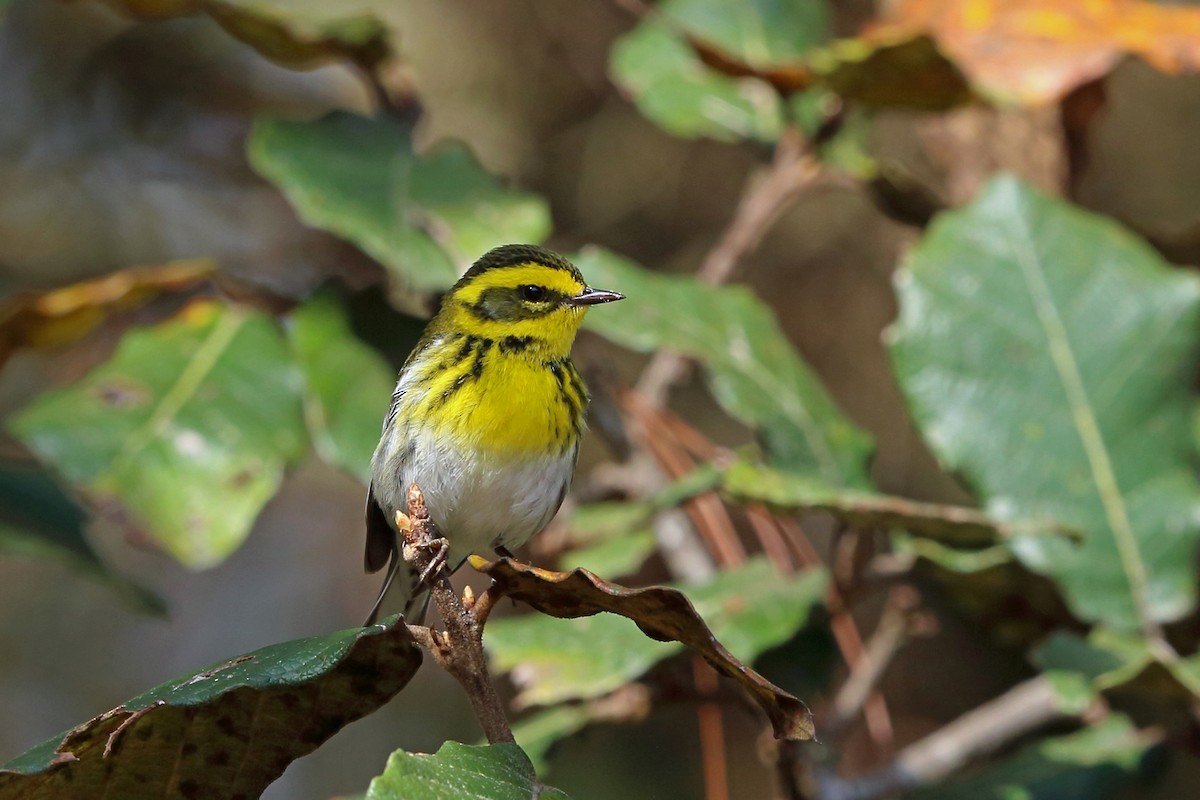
[1048, 357]
[189, 426]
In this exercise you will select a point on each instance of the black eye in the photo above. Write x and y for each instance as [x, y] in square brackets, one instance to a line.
[532, 294]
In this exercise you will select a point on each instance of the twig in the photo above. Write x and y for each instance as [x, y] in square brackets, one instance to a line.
[846, 635]
[793, 169]
[1024, 708]
[894, 629]
[458, 649]
[712, 733]
[706, 511]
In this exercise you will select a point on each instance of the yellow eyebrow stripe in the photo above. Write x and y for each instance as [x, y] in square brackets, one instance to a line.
[556, 280]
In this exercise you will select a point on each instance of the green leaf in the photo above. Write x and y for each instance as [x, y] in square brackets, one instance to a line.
[1108, 658]
[749, 609]
[761, 33]
[1088, 765]
[347, 385]
[1048, 356]
[1105, 658]
[424, 217]
[754, 371]
[225, 731]
[658, 64]
[461, 772]
[39, 521]
[189, 426]
[671, 86]
[620, 553]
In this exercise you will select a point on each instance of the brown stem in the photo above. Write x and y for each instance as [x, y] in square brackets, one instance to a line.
[1022, 709]
[712, 733]
[458, 649]
[766, 197]
[889, 636]
[846, 635]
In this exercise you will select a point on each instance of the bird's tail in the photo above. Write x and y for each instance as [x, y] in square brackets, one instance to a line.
[417, 602]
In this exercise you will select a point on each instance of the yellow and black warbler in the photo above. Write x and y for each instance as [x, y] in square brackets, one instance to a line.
[488, 411]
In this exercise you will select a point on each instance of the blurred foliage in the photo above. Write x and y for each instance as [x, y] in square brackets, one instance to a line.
[38, 520]
[204, 406]
[347, 385]
[1078, 766]
[755, 373]
[425, 217]
[1047, 357]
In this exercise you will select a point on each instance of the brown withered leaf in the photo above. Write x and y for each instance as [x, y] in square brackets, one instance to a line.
[1033, 52]
[663, 614]
[892, 68]
[61, 316]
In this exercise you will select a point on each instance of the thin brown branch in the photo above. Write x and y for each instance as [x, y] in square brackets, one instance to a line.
[895, 627]
[847, 637]
[766, 196]
[1019, 711]
[706, 511]
[712, 733]
[458, 649]
[773, 542]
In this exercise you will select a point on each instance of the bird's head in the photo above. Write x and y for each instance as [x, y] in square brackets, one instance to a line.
[522, 295]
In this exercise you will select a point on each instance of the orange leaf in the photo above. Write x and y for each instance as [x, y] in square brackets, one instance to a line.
[1035, 51]
[62, 316]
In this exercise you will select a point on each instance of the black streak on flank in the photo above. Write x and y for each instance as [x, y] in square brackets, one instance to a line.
[477, 367]
[464, 351]
[581, 396]
[560, 370]
[476, 370]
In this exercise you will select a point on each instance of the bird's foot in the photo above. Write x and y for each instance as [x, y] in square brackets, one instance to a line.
[441, 552]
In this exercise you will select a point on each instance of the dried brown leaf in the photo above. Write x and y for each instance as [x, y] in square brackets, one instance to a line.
[663, 614]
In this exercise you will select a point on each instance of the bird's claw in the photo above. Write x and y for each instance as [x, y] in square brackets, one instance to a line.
[441, 553]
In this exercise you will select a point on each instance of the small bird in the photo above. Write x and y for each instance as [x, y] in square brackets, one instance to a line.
[487, 413]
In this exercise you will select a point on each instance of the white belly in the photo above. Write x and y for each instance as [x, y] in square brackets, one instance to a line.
[477, 503]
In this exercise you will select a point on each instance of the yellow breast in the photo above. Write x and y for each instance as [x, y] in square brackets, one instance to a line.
[497, 400]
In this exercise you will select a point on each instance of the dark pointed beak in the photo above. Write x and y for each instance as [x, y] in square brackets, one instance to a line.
[590, 297]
